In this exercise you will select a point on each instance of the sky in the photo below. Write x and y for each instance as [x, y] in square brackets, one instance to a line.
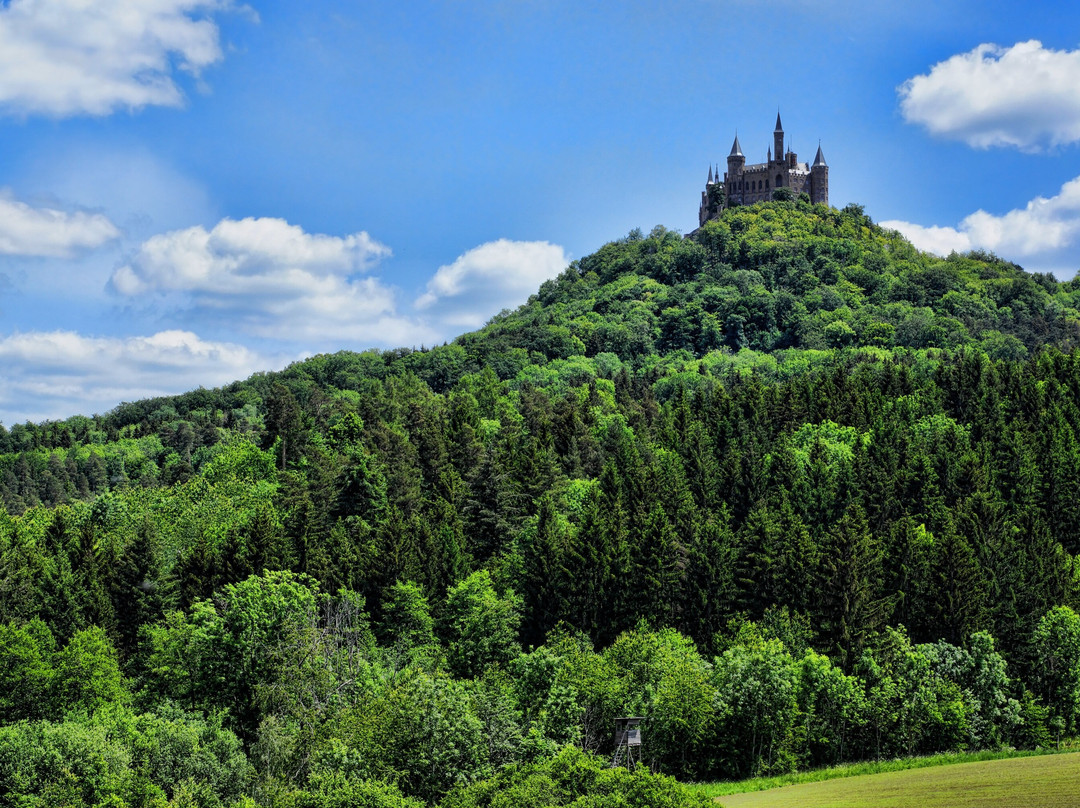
[192, 191]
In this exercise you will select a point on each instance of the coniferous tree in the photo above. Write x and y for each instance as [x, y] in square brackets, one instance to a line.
[852, 605]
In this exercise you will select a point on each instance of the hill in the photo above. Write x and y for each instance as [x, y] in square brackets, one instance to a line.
[771, 290]
[794, 490]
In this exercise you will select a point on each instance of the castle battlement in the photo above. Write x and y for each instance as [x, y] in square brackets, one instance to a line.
[744, 184]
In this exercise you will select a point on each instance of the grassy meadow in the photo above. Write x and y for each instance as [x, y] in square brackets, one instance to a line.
[1046, 781]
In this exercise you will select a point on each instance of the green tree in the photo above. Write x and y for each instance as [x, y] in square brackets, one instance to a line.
[481, 628]
[1057, 644]
[137, 596]
[420, 732]
[26, 670]
[87, 674]
[854, 606]
[831, 712]
[407, 626]
[757, 697]
[225, 651]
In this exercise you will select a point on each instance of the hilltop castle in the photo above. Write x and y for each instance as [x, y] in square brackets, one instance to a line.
[745, 184]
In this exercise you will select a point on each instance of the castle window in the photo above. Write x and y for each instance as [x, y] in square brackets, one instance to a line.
[779, 180]
[766, 185]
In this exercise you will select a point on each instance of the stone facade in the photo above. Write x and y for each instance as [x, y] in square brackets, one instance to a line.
[744, 184]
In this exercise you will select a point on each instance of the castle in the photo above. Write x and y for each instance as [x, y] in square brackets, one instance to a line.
[745, 184]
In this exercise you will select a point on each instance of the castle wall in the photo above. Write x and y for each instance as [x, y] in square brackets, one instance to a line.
[756, 183]
[752, 184]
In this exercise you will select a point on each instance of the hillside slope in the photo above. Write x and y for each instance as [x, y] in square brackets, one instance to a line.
[792, 489]
[771, 289]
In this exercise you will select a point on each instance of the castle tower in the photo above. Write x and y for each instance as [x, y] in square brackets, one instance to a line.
[819, 179]
[778, 138]
[711, 202]
[736, 161]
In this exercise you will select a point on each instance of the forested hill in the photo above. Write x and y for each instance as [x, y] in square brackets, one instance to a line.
[789, 487]
[732, 299]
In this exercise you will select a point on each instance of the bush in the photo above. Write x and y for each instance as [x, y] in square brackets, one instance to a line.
[574, 778]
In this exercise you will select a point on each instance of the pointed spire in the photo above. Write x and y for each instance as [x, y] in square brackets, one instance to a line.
[820, 159]
[770, 154]
[736, 149]
[779, 126]
[710, 172]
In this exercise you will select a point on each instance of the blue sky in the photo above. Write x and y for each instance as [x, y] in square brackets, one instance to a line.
[194, 190]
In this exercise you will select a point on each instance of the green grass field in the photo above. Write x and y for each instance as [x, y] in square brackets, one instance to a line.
[1050, 781]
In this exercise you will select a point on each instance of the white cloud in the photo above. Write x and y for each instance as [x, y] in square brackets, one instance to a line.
[1024, 96]
[45, 232]
[1037, 230]
[488, 278]
[275, 285]
[271, 278]
[56, 374]
[73, 57]
[935, 239]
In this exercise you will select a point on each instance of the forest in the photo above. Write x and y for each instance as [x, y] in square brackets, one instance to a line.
[792, 490]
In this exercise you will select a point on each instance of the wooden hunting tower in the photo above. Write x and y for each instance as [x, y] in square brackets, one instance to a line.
[627, 741]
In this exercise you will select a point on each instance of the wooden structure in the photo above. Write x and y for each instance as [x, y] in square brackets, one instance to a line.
[627, 741]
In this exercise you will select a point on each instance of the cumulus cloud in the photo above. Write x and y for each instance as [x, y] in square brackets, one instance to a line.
[45, 232]
[56, 374]
[1024, 96]
[935, 239]
[1040, 228]
[488, 278]
[270, 284]
[74, 57]
[272, 278]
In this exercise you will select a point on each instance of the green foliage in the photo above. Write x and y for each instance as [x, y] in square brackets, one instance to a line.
[789, 488]
[271, 638]
[481, 627]
[26, 670]
[407, 625]
[574, 778]
[338, 792]
[116, 757]
[419, 731]
[87, 674]
[1057, 643]
[660, 675]
[757, 690]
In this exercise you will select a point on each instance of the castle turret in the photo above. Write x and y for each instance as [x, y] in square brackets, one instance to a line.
[819, 179]
[736, 155]
[711, 198]
[733, 179]
[778, 137]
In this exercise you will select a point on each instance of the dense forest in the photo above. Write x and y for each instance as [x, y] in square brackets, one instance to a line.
[792, 490]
